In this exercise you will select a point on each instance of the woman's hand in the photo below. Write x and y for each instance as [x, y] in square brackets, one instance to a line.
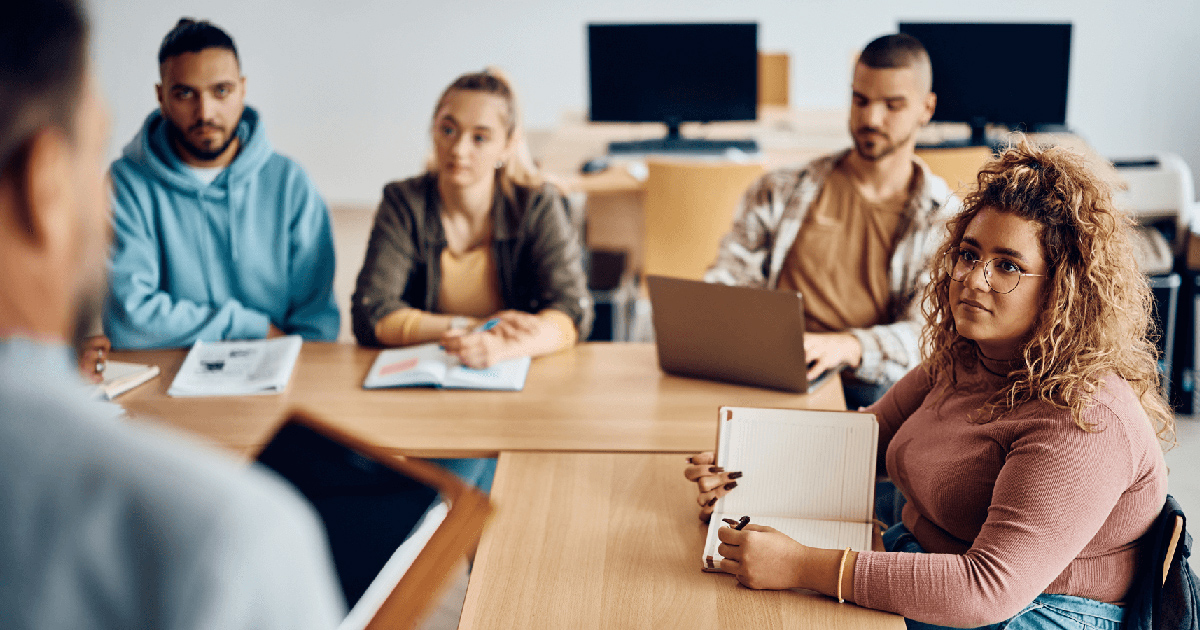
[762, 557]
[93, 358]
[516, 325]
[478, 349]
[713, 482]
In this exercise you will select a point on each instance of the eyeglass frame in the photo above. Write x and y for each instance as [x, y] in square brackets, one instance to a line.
[986, 272]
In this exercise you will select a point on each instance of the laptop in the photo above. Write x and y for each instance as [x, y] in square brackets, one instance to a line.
[735, 334]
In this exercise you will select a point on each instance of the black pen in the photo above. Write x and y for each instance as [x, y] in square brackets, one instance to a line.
[738, 524]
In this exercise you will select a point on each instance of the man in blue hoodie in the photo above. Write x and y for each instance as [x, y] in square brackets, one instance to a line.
[216, 236]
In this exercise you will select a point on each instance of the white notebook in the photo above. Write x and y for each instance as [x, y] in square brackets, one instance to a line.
[237, 368]
[120, 377]
[809, 474]
[430, 366]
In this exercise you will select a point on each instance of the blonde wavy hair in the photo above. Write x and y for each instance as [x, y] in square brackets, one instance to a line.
[1096, 315]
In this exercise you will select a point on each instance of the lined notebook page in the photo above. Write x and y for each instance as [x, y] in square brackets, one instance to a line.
[803, 471]
[799, 463]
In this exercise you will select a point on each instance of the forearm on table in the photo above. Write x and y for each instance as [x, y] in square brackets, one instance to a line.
[819, 571]
[554, 331]
[409, 326]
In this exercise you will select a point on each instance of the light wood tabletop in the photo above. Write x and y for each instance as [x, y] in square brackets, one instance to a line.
[607, 397]
[596, 540]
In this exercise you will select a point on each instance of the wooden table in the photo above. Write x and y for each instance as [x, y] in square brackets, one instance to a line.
[595, 397]
[591, 540]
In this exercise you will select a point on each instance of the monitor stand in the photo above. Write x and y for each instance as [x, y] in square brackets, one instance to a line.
[675, 143]
[979, 138]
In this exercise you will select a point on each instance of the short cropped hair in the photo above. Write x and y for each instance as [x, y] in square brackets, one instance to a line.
[898, 50]
[191, 36]
[43, 57]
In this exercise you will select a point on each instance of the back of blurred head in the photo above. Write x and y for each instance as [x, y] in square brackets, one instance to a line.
[53, 198]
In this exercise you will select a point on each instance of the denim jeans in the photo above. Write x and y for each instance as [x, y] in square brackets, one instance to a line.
[1046, 612]
[477, 471]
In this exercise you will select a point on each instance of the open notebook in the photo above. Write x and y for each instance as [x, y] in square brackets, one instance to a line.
[396, 527]
[427, 365]
[809, 474]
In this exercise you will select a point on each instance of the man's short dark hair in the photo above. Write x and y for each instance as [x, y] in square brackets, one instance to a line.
[899, 50]
[192, 36]
[43, 56]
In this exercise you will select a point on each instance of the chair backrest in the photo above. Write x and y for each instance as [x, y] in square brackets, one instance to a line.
[773, 75]
[1171, 545]
[957, 165]
[689, 206]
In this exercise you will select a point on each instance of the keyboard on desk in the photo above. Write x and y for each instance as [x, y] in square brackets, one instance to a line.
[682, 145]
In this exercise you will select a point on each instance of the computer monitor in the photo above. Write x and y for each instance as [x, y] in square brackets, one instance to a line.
[672, 73]
[1005, 73]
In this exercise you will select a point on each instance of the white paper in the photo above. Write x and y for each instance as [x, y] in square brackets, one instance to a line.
[237, 368]
[429, 365]
[120, 377]
[803, 472]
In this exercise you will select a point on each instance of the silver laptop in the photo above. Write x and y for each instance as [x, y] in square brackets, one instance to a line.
[735, 334]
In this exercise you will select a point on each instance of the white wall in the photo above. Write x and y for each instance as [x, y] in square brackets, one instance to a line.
[347, 87]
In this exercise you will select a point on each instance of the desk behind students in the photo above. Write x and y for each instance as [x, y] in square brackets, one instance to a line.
[593, 397]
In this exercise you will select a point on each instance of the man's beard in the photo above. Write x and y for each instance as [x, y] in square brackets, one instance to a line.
[204, 155]
[882, 140]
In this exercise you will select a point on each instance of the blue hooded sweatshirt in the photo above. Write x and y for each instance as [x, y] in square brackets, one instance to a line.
[194, 261]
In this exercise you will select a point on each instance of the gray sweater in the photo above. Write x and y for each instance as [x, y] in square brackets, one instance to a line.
[105, 524]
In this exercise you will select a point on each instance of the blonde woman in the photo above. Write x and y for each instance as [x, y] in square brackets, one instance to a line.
[1026, 448]
[477, 252]
[479, 238]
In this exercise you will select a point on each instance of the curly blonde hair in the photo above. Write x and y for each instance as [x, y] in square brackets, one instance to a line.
[1096, 316]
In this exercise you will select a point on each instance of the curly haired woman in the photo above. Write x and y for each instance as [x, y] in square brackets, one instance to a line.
[1026, 448]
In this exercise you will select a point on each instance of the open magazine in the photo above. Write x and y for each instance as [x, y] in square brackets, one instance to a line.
[430, 366]
[237, 368]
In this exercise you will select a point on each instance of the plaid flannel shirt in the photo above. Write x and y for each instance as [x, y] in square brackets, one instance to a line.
[771, 215]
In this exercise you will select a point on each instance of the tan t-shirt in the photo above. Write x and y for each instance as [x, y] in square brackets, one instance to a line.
[841, 256]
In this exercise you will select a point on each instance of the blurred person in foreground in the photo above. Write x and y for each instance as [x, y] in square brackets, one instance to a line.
[105, 524]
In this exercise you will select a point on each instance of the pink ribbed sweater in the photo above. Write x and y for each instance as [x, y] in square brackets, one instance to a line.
[1009, 509]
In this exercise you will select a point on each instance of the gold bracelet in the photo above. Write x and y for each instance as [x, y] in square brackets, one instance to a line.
[841, 573]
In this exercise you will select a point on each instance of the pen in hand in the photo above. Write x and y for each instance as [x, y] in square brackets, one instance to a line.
[738, 524]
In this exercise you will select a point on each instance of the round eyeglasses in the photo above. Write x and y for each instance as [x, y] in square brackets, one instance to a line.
[1000, 274]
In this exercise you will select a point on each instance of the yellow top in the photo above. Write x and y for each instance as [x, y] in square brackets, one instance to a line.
[471, 287]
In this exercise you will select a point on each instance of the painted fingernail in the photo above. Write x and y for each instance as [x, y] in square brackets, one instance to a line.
[731, 485]
[735, 475]
[711, 502]
[715, 469]
[690, 460]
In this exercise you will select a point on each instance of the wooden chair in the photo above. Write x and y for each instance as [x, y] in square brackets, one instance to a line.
[689, 206]
[1166, 593]
[957, 165]
[773, 88]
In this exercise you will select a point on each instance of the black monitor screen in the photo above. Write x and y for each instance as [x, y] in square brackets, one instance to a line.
[673, 72]
[1013, 74]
